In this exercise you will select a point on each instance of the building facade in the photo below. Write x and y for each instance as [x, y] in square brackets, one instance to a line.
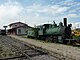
[18, 28]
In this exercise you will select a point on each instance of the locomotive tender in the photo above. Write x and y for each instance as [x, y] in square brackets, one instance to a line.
[52, 32]
[3, 32]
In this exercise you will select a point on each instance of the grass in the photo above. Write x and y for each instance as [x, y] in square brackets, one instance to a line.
[6, 52]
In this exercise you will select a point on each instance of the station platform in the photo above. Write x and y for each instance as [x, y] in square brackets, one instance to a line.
[73, 53]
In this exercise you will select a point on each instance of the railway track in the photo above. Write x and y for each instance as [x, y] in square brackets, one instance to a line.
[25, 51]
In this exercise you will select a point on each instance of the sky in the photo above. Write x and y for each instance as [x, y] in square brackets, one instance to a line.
[36, 12]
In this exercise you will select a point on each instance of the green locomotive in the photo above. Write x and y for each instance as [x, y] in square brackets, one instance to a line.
[52, 32]
[32, 33]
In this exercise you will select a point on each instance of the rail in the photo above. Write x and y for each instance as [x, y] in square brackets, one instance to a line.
[22, 49]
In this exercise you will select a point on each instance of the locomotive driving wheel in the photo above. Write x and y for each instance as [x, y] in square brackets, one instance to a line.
[55, 39]
[49, 39]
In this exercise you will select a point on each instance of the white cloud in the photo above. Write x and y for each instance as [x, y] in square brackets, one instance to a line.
[75, 25]
[73, 15]
[36, 13]
[59, 9]
[55, 9]
[68, 2]
[9, 10]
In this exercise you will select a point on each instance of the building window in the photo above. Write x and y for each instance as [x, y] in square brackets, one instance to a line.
[15, 25]
[19, 31]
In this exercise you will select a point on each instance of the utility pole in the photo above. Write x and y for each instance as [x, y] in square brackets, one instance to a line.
[5, 28]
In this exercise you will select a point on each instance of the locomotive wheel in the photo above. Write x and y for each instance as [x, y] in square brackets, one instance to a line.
[46, 39]
[66, 42]
[71, 42]
[28, 36]
[39, 37]
[49, 39]
[55, 40]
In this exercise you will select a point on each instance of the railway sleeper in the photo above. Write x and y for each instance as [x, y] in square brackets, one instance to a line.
[33, 54]
[36, 50]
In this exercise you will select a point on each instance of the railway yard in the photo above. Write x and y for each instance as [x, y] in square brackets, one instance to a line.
[60, 51]
[19, 48]
[13, 49]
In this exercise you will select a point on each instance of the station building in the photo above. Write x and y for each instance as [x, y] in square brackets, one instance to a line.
[18, 28]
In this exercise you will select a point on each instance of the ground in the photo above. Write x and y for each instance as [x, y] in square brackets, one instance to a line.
[11, 48]
[63, 51]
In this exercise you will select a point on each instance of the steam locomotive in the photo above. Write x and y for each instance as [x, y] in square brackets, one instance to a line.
[52, 32]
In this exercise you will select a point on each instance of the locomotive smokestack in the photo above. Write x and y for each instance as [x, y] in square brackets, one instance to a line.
[65, 21]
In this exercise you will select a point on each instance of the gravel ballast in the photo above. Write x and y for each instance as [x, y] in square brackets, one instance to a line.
[63, 51]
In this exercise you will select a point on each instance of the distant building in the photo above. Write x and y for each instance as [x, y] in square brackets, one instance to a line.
[18, 28]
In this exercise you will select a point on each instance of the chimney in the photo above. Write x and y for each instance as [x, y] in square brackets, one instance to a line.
[65, 21]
